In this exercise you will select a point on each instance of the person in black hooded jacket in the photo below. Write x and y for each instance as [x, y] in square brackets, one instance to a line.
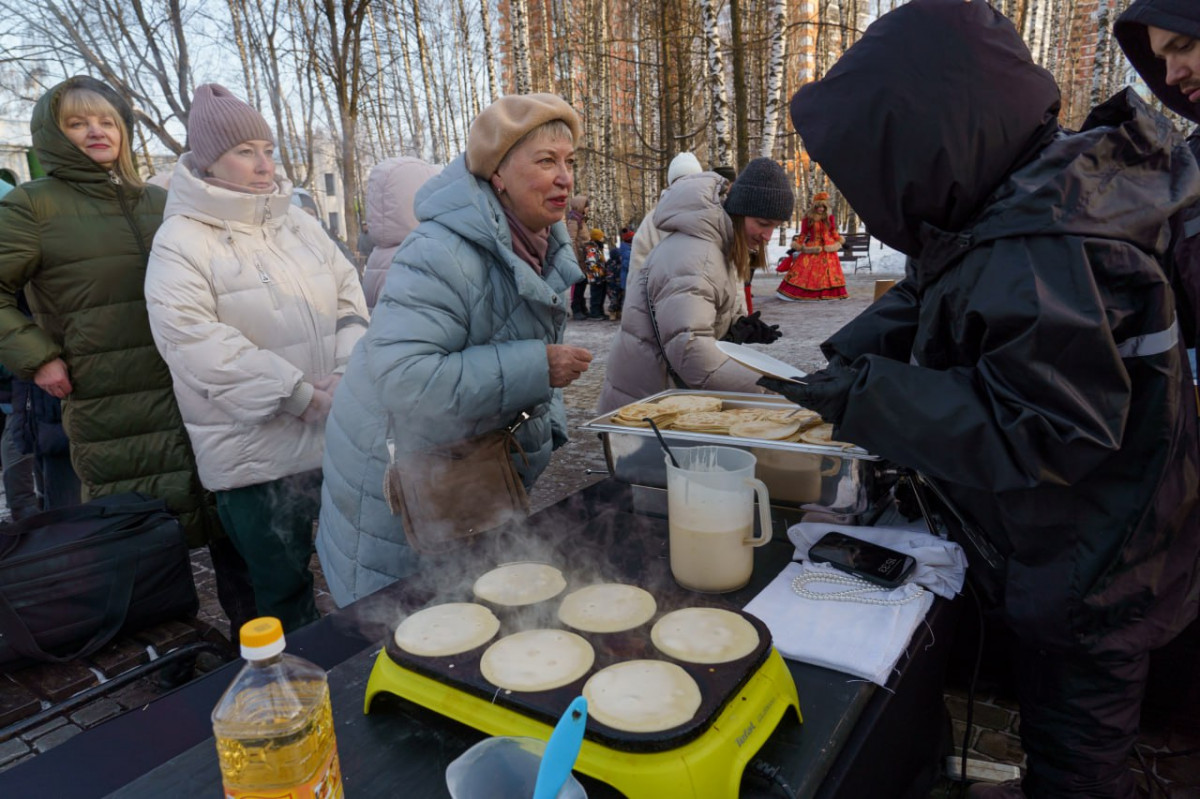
[1029, 364]
[1161, 38]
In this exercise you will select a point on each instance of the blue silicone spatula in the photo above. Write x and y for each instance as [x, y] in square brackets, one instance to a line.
[561, 750]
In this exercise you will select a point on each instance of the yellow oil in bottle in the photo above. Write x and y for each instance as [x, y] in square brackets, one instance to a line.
[274, 731]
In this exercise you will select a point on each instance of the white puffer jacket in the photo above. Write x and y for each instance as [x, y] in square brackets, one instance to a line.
[250, 303]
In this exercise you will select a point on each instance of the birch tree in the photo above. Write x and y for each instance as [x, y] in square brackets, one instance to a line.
[520, 30]
[775, 70]
[489, 52]
[719, 148]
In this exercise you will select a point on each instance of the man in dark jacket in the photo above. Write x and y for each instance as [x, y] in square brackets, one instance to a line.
[1029, 365]
[1160, 39]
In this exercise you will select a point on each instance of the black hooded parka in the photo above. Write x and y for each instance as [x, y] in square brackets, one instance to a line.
[1179, 16]
[1030, 364]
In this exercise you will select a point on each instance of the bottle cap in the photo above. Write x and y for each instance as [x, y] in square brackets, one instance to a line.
[261, 638]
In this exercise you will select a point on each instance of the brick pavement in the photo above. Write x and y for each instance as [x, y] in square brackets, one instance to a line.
[581, 462]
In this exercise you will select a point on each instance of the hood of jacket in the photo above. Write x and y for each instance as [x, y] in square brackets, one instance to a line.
[986, 109]
[693, 205]
[391, 190]
[467, 206]
[1180, 16]
[193, 197]
[1119, 177]
[58, 155]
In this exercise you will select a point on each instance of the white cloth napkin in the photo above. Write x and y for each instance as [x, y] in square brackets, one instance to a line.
[941, 564]
[864, 640]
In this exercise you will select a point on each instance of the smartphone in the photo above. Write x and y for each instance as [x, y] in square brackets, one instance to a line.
[871, 562]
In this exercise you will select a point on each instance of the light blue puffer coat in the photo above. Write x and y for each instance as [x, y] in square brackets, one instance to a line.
[456, 347]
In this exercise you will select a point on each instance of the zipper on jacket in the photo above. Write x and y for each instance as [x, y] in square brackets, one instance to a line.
[265, 279]
[119, 184]
[318, 341]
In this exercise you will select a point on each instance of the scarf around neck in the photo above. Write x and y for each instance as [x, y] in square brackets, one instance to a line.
[530, 247]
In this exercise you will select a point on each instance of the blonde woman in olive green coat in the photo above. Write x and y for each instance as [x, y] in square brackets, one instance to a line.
[77, 243]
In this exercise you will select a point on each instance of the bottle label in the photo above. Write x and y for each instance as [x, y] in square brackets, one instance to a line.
[325, 784]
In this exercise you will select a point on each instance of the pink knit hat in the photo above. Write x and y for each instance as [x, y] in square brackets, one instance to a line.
[218, 121]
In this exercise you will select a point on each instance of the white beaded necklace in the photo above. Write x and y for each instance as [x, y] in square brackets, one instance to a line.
[857, 591]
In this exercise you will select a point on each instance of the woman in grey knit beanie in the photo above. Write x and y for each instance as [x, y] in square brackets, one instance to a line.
[689, 294]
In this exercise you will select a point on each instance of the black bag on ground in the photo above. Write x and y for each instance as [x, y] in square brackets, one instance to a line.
[71, 579]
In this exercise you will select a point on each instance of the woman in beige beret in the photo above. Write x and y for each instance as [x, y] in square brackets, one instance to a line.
[466, 336]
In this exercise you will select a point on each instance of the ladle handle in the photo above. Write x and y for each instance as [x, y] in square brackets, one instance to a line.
[764, 513]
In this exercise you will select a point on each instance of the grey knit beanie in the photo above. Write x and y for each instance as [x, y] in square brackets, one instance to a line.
[763, 190]
[218, 121]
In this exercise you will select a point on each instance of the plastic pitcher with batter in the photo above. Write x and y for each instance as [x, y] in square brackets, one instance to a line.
[710, 513]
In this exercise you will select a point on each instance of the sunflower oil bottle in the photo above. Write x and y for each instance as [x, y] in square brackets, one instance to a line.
[274, 724]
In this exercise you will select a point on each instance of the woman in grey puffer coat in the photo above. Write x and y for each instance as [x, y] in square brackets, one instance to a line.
[692, 285]
[466, 335]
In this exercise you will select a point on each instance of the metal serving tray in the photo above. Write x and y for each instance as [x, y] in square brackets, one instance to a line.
[830, 478]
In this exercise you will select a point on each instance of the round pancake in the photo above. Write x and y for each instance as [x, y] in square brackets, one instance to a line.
[447, 629]
[690, 403]
[607, 608]
[516, 584]
[766, 429]
[642, 696]
[803, 416]
[702, 422]
[536, 660]
[822, 434]
[741, 414]
[632, 415]
[704, 635]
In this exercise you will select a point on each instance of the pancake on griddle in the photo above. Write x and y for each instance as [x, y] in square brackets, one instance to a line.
[448, 629]
[642, 696]
[536, 660]
[607, 608]
[704, 635]
[516, 584]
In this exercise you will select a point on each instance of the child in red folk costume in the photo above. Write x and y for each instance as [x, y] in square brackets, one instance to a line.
[815, 273]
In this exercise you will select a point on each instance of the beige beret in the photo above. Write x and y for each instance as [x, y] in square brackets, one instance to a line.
[501, 124]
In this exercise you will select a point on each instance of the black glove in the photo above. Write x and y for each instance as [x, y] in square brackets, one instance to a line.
[752, 330]
[825, 391]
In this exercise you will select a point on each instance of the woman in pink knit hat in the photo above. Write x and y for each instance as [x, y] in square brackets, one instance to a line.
[255, 311]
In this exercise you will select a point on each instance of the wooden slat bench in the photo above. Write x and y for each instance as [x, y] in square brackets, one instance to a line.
[855, 247]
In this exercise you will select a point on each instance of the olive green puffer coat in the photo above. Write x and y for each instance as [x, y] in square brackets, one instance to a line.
[77, 242]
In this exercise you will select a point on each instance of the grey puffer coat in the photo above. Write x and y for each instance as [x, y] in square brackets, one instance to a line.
[456, 347]
[697, 296]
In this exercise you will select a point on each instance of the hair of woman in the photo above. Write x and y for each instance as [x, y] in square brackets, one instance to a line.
[84, 102]
[744, 259]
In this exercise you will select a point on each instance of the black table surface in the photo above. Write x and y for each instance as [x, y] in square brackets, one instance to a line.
[851, 730]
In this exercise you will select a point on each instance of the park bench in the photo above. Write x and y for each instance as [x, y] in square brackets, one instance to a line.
[855, 247]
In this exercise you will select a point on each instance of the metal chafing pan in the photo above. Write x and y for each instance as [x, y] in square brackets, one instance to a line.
[833, 478]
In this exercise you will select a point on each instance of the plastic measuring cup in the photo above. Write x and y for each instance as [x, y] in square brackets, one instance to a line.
[503, 767]
[710, 515]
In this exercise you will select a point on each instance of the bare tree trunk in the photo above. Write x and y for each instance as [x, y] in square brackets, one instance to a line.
[426, 80]
[741, 133]
[719, 148]
[520, 28]
[778, 33]
[415, 125]
[489, 52]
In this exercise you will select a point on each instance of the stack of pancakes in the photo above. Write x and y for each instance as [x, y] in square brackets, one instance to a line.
[694, 413]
